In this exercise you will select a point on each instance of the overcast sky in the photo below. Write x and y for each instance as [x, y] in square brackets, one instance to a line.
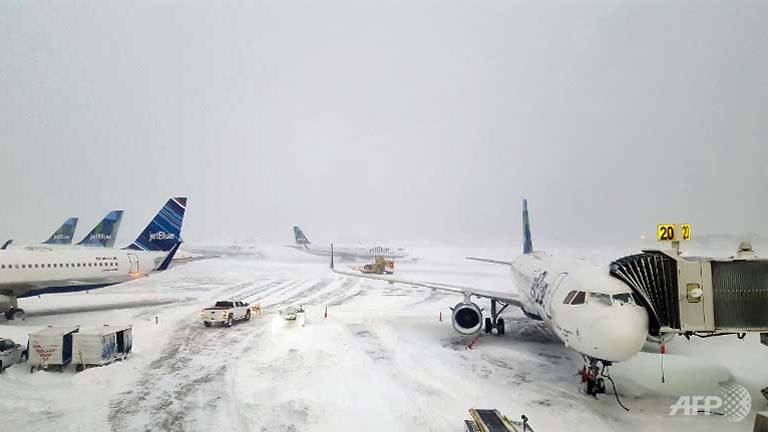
[412, 120]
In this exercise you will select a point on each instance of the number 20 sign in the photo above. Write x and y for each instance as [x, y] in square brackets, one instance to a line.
[669, 232]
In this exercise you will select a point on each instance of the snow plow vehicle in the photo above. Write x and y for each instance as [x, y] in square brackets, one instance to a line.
[380, 266]
[226, 313]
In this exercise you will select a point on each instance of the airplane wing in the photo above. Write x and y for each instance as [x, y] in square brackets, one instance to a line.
[459, 289]
[488, 260]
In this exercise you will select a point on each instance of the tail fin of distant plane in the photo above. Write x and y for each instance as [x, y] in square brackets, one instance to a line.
[527, 243]
[164, 231]
[105, 232]
[301, 239]
[63, 235]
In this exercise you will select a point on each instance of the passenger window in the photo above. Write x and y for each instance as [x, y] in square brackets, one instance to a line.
[569, 297]
[623, 298]
[579, 298]
[600, 298]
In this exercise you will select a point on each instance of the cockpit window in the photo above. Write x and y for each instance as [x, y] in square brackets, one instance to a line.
[623, 298]
[579, 298]
[569, 297]
[600, 298]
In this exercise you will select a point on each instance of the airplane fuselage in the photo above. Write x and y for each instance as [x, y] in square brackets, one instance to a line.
[604, 322]
[42, 270]
[354, 252]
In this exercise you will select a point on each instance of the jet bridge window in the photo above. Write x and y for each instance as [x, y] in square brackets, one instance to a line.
[579, 298]
[600, 299]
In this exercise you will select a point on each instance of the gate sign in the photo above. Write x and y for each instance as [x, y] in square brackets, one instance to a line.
[670, 232]
[685, 231]
[666, 232]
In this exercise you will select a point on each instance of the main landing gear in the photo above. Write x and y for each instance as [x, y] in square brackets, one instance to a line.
[494, 322]
[15, 314]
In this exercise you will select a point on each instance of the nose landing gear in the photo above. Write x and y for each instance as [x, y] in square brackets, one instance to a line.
[590, 375]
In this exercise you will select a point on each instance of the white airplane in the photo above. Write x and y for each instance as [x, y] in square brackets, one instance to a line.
[351, 253]
[32, 272]
[589, 310]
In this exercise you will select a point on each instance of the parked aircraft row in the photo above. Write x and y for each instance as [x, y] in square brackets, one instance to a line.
[103, 234]
[33, 271]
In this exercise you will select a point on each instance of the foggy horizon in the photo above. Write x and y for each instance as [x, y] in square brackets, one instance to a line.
[396, 121]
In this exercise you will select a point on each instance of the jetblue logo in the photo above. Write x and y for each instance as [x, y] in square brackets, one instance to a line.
[61, 237]
[99, 236]
[379, 249]
[161, 235]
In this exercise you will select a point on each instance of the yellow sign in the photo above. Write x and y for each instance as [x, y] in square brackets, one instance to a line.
[685, 231]
[666, 232]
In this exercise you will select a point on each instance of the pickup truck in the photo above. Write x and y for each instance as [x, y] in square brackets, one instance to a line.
[226, 312]
[11, 353]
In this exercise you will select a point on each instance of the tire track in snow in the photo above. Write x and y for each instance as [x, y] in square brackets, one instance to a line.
[186, 386]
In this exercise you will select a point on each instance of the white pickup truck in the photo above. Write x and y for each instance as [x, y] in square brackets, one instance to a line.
[226, 312]
[11, 353]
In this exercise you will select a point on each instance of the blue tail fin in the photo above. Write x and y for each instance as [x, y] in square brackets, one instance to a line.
[105, 232]
[527, 243]
[301, 239]
[63, 235]
[164, 231]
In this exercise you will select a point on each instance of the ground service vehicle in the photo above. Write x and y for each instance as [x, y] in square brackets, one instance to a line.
[11, 353]
[226, 312]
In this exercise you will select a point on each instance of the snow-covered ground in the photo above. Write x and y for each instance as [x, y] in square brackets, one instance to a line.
[381, 361]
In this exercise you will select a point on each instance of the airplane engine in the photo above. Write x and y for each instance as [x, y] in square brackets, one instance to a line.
[467, 318]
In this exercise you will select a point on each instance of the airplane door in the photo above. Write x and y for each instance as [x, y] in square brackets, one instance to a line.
[133, 262]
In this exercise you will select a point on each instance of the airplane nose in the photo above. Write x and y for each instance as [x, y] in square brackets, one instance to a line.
[621, 335]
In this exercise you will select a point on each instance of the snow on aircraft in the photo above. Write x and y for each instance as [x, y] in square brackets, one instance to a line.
[352, 253]
[589, 310]
[32, 272]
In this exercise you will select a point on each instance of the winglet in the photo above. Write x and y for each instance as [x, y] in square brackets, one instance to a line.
[6, 244]
[332, 267]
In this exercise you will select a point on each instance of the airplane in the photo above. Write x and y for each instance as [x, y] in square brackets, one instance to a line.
[29, 273]
[590, 311]
[352, 253]
[61, 237]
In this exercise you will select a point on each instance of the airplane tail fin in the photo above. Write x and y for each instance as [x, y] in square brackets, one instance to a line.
[301, 239]
[105, 232]
[164, 231]
[527, 243]
[63, 235]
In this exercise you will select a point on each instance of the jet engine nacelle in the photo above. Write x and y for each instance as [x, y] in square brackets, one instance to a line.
[467, 318]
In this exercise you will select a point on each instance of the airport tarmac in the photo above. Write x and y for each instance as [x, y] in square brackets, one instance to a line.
[381, 360]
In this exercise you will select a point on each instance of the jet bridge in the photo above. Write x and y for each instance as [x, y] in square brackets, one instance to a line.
[699, 295]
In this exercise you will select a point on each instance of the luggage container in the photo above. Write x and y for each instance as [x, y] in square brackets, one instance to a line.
[50, 348]
[99, 346]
